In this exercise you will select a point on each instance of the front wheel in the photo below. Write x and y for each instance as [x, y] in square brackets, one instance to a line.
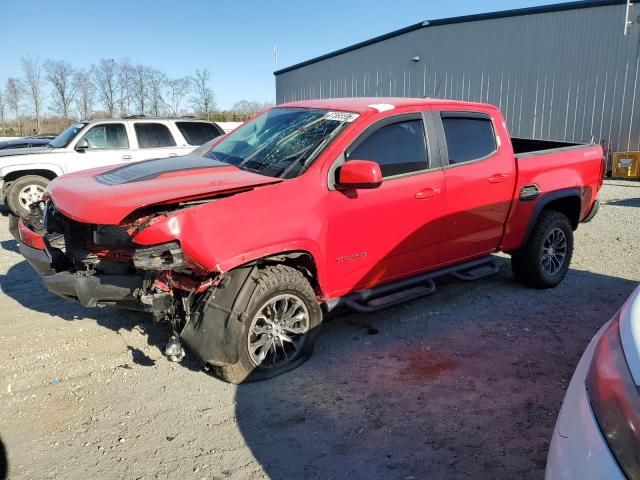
[280, 330]
[25, 191]
[544, 261]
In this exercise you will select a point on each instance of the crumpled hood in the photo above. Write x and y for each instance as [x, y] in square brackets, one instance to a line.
[29, 151]
[107, 195]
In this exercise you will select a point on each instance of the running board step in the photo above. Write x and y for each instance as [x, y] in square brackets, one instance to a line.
[395, 298]
[477, 272]
[387, 295]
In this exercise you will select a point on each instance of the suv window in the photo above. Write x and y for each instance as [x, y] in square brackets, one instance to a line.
[107, 136]
[153, 135]
[398, 148]
[197, 133]
[468, 138]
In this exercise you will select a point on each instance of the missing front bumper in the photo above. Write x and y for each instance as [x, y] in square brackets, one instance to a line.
[89, 290]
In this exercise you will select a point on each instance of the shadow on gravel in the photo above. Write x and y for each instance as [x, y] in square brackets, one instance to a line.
[4, 462]
[466, 383]
[10, 245]
[23, 285]
[625, 202]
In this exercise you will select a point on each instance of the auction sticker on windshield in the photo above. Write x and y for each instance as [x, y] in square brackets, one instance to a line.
[341, 116]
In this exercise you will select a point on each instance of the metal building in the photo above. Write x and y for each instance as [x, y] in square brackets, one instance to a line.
[562, 72]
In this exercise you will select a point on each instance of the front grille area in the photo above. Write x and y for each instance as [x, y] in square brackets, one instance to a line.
[112, 236]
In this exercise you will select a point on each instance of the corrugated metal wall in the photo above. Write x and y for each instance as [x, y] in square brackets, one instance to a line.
[556, 75]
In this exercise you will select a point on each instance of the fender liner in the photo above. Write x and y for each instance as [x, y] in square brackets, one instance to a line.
[543, 201]
[212, 332]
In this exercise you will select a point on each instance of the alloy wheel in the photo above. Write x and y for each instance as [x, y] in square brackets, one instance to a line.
[554, 251]
[277, 331]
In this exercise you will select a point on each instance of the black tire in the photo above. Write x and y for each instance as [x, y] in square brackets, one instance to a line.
[273, 281]
[22, 183]
[527, 262]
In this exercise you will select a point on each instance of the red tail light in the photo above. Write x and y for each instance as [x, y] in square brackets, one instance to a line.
[615, 400]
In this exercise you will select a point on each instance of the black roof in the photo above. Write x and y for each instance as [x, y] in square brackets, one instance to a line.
[558, 7]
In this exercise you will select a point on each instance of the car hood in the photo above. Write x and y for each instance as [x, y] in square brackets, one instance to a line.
[28, 151]
[107, 195]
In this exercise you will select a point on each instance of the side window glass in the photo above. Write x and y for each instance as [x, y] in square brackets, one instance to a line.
[398, 148]
[197, 133]
[107, 136]
[468, 138]
[153, 135]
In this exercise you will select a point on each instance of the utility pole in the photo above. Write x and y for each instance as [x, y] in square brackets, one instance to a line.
[275, 56]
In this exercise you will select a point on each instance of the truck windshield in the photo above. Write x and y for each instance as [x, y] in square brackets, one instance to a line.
[282, 141]
[65, 137]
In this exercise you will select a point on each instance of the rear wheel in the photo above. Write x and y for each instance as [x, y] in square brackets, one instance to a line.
[280, 330]
[25, 191]
[544, 261]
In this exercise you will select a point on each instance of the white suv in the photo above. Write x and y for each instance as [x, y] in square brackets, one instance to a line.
[25, 173]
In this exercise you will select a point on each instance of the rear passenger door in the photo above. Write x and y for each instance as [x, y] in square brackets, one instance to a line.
[382, 234]
[479, 183]
[155, 140]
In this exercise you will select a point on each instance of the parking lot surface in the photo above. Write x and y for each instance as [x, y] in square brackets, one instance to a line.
[466, 383]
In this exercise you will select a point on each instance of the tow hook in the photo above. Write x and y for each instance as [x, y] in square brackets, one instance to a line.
[173, 349]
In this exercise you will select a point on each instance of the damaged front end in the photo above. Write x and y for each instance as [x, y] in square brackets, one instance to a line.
[101, 265]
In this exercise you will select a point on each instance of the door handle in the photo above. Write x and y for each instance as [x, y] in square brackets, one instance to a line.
[498, 178]
[173, 154]
[126, 157]
[427, 193]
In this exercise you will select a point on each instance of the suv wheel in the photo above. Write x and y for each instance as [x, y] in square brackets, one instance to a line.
[281, 327]
[25, 191]
[544, 260]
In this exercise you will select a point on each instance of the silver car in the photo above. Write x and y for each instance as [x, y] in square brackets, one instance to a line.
[597, 434]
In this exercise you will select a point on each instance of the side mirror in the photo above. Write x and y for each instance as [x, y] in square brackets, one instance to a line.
[359, 174]
[82, 145]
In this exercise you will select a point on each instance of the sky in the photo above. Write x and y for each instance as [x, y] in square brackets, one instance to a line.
[233, 39]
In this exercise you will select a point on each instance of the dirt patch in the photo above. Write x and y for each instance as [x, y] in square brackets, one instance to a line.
[427, 365]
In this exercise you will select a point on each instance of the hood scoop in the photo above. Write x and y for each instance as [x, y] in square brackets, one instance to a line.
[148, 169]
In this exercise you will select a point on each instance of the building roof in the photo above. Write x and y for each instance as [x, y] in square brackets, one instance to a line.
[373, 104]
[559, 7]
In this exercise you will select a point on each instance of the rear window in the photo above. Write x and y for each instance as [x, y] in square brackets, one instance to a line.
[154, 135]
[468, 137]
[197, 133]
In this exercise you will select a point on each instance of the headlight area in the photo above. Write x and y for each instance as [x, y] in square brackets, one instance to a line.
[615, 400]
[166, 256]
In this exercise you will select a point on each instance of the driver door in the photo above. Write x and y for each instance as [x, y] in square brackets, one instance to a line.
[106, 144]
[393, 231]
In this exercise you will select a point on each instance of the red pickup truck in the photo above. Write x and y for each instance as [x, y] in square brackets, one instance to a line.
[307, 207]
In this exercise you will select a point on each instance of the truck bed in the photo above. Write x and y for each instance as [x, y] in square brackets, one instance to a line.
[559, 166]
[523, 147]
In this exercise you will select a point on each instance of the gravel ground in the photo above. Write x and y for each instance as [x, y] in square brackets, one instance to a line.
[466, 383]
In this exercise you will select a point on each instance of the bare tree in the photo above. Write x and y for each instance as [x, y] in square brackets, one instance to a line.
[14, 99]
[104, 75]
[246, 108]
[155, 81]
[32, 72]
[84, 94]
[140, 87]
[178, 89]
[60, 75]
[3, 111]
[203, 99]
[125, 74]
